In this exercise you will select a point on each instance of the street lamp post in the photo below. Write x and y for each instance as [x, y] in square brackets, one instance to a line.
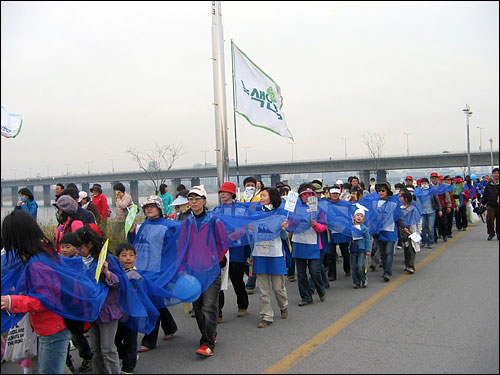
[491, 152]
[468, 114]
[345, 146]
[88, 167]
[205, 151]
[480, 138]
[407, 144]
[67, 169]
[113, 165]
[246, 154]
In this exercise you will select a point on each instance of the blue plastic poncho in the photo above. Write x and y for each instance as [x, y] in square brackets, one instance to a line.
[61, 289]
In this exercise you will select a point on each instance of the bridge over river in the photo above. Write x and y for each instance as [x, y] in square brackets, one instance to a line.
[364, 165]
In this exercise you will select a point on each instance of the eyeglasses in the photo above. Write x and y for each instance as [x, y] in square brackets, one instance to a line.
[192, 199]
[382, 191]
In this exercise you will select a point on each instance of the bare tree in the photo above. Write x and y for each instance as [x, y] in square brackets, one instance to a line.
[158, 161]
[375, 143]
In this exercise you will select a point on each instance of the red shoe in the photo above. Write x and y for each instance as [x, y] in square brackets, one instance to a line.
[205, 351]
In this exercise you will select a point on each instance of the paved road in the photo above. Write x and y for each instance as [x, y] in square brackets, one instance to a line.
[442, 319]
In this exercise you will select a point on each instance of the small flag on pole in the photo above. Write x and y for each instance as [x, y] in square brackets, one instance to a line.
[257, 96]
[11, 124]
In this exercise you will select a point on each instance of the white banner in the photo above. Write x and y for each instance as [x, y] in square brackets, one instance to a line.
[257, 96]
[11, 124]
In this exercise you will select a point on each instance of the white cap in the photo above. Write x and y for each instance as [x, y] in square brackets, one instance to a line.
[198, 190]
[335, 190]
[81, 195]
[361, 209]
[339, 182]
[179, 201]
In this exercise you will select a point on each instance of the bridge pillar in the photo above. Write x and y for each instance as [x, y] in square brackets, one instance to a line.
[46, 195]
[274, 179]
[14, 196]
[134, 191]
[195, 181]
[86, 187]
[364, 176]
[381, 176]
[32, 189]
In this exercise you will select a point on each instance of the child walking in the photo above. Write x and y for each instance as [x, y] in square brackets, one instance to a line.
[70, 249]
[103, 330]
[359, 247]
[126, 339]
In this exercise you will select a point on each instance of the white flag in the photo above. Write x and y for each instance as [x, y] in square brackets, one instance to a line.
[11, 124]
[257, 96]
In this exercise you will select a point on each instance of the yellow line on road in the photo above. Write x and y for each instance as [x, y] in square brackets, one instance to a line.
[306, 349]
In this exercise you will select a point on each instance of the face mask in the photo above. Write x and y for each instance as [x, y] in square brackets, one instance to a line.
[250, 190]
[185, 208]
[24, 199]
[425, 186]
[88, 260]
[269, 207]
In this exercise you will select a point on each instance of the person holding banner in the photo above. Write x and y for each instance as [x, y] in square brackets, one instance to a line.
[306, 251]
[123, 200]
[269, 265]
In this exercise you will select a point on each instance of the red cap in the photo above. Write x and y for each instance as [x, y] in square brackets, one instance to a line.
[458, 180]
[228, 187]
[434, 174]
[409, 178]
[419, 181]
[441, 177]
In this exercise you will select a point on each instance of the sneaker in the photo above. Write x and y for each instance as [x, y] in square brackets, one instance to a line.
[364, 284]
[264, 324]
[86, 366]
[205, 351]
[372, 267]
[291, 278]
[348, 274]
[323, 297]
[464, 229]
[124, 372]
[429, 246]
[399, 247]
[332, 278]
[445, 239]
[220, 319]
[411, 271]
[250, 291]
[192, 313]
[284, 313]
[241, 313]
[356, 286]
[386, 278]
[304, 303]
[450, 236]
[142, 349]
[71, 346]
[490, 237]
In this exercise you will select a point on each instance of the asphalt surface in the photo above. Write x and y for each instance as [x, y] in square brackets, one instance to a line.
[442, 319]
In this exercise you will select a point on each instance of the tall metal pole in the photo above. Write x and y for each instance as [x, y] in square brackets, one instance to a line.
[491, 151]
[291, 143]
[345, 146]
[468, 114]
[480, 138]
[407, 144]
[234, 120]
[219, 94]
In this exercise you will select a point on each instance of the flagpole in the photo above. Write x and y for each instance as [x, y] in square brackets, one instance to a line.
[234, 119]
[219, 94]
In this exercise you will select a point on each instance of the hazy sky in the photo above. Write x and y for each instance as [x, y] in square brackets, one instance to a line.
[92, 79]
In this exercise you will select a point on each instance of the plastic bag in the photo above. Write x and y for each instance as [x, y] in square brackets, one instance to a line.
[472, 217]
[21, 342]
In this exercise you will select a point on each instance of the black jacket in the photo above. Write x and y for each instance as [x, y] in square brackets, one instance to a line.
[490, 196]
